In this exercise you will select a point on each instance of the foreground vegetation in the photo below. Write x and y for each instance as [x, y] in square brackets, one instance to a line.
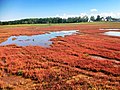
[88, 60]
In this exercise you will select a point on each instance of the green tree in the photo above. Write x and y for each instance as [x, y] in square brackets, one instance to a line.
[92, 18]
[85, 18]
[98, 18]
[109, 18]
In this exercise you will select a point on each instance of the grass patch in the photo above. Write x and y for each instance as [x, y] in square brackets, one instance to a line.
[110, 24]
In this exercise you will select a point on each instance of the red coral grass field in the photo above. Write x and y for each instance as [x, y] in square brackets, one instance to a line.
[88, 60]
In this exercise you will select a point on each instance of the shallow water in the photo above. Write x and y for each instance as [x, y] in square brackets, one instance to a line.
[103, 58]
[111, 29]
[36, 40]
[112, 33]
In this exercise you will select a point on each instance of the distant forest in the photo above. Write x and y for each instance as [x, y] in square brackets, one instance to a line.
[59, 20]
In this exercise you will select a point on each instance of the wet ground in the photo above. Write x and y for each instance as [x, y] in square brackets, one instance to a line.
[86, 61]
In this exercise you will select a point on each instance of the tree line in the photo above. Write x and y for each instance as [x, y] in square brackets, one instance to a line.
[57, 20]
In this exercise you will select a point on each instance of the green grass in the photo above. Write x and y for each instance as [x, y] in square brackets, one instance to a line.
[62, 24]
[24, 25]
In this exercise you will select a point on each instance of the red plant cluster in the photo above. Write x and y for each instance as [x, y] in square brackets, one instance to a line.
[88, 60]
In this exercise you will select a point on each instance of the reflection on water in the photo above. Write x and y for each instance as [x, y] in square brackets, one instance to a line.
[36, 40]
[112, 33]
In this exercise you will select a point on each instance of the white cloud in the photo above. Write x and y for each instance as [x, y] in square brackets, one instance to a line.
[105, 14]
[66, 15]
[82, 14]
[93, 10]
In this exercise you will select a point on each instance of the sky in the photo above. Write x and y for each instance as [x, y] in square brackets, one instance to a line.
[21, 9]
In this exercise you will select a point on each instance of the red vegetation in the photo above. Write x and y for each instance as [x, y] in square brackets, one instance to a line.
[70, 62]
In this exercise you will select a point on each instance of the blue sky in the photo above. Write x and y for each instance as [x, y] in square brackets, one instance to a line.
[18, 9]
